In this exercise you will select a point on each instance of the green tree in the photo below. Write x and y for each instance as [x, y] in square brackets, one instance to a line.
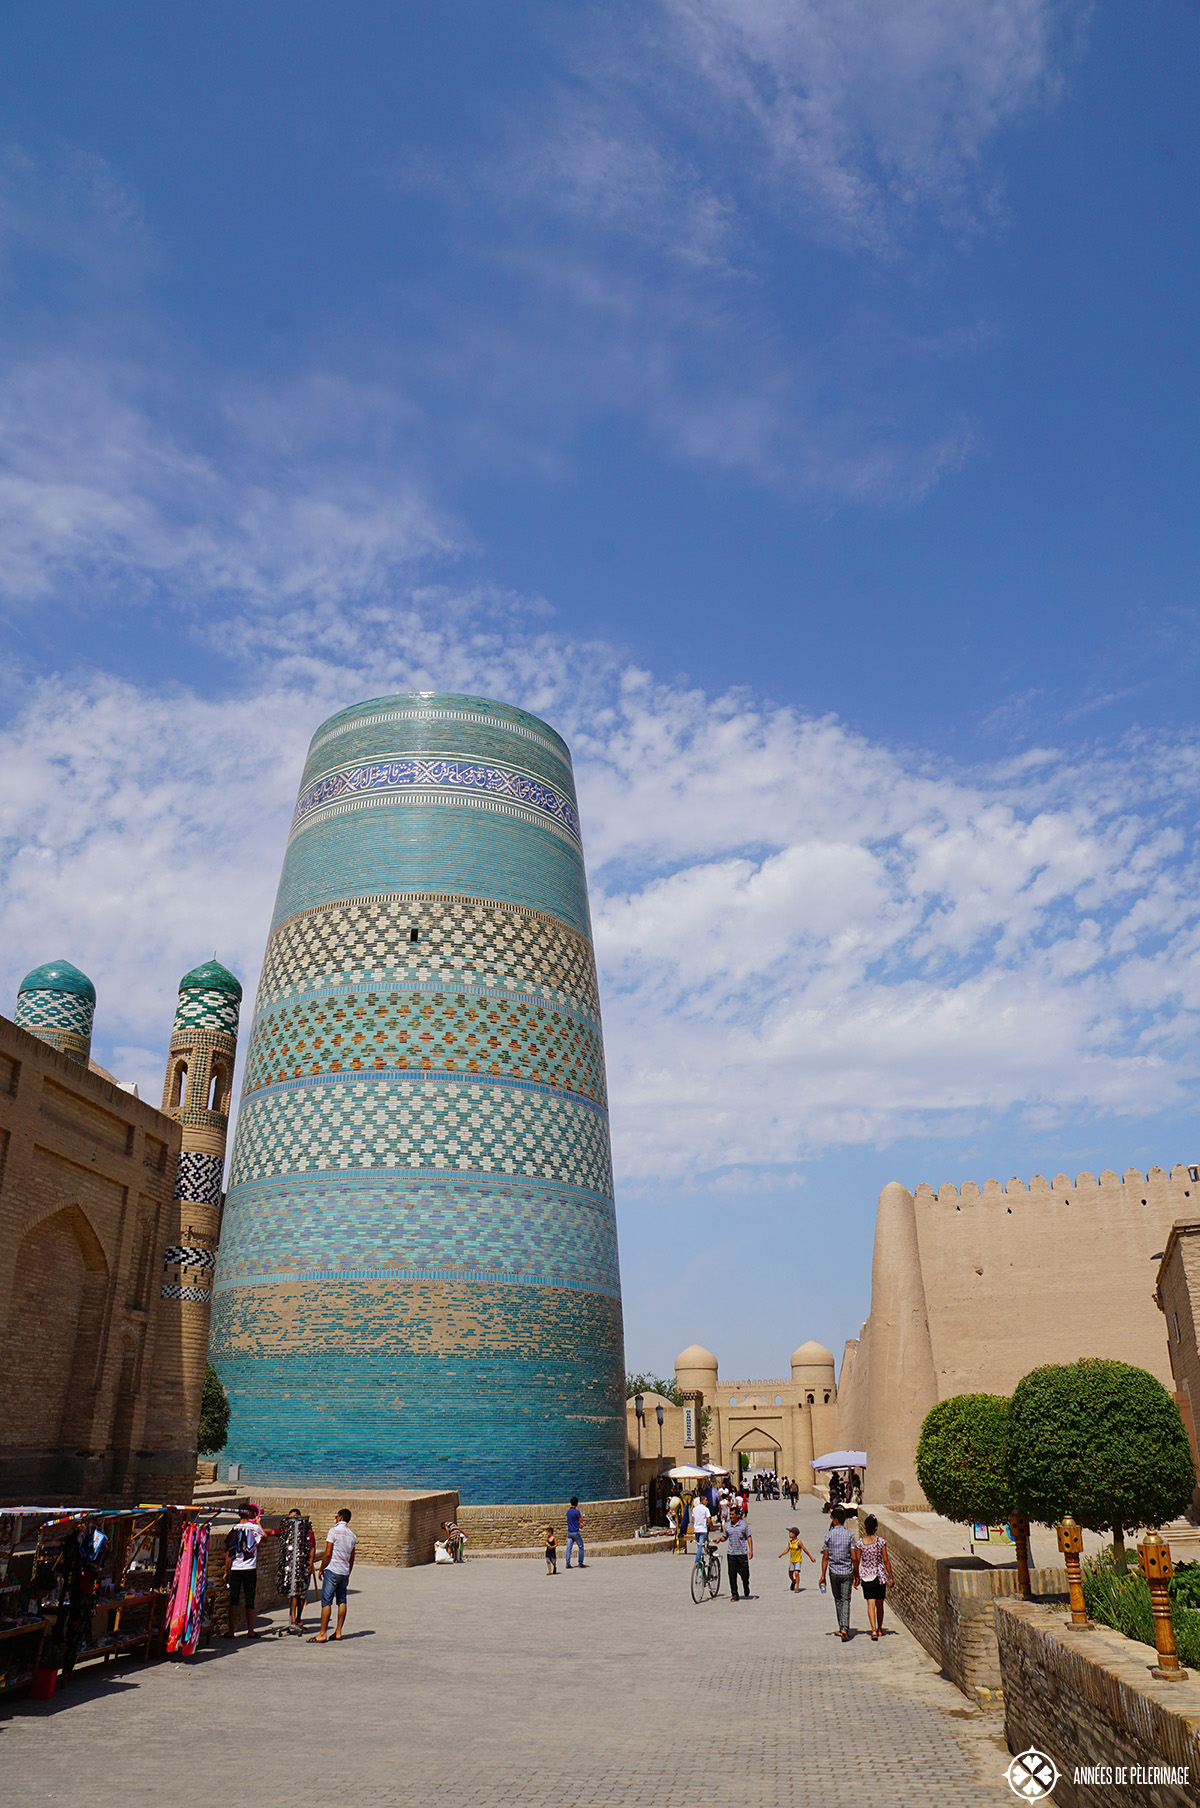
[653, 1384]
[961, 1458]
[214, 1414]
[1100, 1440]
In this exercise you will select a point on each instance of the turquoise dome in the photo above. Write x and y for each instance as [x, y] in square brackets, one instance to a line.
[211, 977]
[59, 976]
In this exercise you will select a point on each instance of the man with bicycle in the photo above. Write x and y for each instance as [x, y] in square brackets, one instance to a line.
[700, 1518]
[741, 1549]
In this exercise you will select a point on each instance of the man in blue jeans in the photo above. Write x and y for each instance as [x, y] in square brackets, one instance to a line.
[337, 1560]
[839, 1557]
[574, 1530]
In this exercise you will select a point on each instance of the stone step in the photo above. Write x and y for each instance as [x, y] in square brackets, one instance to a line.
[617, 1547]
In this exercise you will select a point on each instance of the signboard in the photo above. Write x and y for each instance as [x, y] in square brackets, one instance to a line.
[689, 1427]
[996, 1534]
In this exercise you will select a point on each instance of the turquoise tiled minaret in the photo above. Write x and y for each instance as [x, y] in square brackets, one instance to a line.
[417, 1282]
[56, 1003]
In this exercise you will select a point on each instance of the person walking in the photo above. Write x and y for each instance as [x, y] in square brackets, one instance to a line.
[551, 1552]
[241, 1565]
[675, 1516]
[795, 1551]
[337, 1561]
[839, 1558]
[741, 1549]
[701, 1520]
[574, 1530]
[297, 1548]
[874, 1572]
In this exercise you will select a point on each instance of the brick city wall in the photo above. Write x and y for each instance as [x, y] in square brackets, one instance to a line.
[518, 1527]
[948, 1603]
[1087, 1699]
[397, 1530]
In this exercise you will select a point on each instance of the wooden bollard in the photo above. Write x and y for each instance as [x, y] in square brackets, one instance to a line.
[1154, 1561]
[1070, 1543]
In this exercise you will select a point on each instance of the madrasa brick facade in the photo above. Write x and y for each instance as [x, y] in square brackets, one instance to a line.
[107, 1246]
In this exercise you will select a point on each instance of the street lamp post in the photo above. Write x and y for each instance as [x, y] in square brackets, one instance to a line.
[658, 1413]
[639, 1407]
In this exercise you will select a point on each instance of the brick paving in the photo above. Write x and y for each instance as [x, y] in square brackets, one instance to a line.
[492, 1683]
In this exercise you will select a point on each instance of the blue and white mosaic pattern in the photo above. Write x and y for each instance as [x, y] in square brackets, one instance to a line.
[207, 1011]
[199, 1178]
[184, 1255]
[392, 781]
[63, 1019]
[421, 1121]
[422, 1170]
[414, 1223]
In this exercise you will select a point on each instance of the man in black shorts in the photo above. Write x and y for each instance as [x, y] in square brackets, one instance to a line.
[241, 1565]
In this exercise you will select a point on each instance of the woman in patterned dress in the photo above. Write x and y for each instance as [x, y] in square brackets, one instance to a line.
[874, 1572]
[297, 1547]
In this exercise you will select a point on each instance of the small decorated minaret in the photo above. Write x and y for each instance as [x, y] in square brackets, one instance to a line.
[196, 1093]
[56, 1003]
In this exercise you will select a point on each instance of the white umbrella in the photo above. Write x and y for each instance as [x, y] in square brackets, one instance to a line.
[716, 1469]
[688, 1472]
[841, 1459]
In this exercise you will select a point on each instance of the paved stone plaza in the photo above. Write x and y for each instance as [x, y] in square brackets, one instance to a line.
[493, 1683]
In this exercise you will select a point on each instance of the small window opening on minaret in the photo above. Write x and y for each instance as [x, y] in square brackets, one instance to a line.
[214, 1090]
[414, 934]
[180, 1083]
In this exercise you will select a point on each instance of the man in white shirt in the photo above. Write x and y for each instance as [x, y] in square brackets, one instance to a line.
[241, 1565]
[700, 1519]
[337, 1560]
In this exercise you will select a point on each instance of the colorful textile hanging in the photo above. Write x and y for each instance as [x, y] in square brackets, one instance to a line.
[195, 1604]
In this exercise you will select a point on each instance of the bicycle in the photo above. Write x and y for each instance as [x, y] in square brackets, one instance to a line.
[706, 1574]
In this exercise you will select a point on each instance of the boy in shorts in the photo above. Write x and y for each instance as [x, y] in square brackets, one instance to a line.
[795, 1552]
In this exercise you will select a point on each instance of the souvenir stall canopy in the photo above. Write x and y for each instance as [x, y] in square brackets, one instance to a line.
[79, 1584]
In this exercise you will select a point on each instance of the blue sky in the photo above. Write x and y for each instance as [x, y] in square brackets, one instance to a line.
[793, 400]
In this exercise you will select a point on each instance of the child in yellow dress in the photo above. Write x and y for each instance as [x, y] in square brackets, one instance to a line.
[795, 1551]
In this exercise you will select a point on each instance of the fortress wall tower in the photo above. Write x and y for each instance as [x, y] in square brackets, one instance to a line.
[973, 1287]
[197, 1092]
[56, 1003]
[418, 1279]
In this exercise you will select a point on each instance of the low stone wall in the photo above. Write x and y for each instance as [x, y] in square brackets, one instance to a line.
[500, 1528]
[946, 1600]
[1088, 1701]
[396, 1528]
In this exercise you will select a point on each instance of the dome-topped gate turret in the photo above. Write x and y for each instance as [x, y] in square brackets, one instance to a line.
[56, 1003]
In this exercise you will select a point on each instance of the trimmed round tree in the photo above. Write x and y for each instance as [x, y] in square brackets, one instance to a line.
[961, 1458]
[214, 1414]
[1101, 1440]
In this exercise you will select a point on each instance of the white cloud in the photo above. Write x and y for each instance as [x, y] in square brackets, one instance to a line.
[866, 109]
[805, 938]
[96, 487]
